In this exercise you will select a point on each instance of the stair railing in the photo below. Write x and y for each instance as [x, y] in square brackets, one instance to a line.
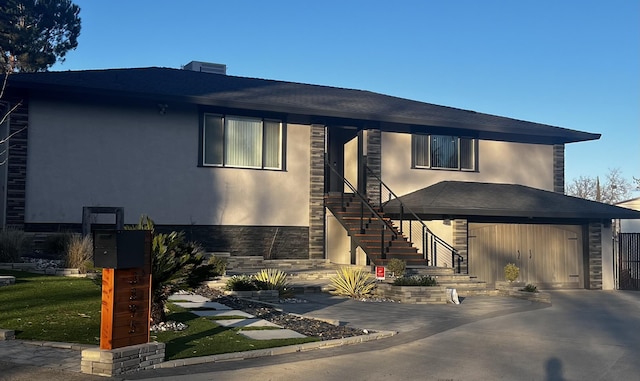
[431, 243]
[387, 225]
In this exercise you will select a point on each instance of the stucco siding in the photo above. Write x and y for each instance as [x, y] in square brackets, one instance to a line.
[498, 162]
[630, 226]
[106, 155]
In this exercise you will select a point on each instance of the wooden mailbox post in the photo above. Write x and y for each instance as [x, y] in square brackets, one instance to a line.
[125, 256]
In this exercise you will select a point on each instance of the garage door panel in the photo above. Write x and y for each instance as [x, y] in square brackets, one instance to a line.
[547, 255]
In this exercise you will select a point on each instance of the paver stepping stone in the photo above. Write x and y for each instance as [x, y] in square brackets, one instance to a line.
[189, 298]
[270, 334]
[213, 305]
[223, 313]
[234, 323]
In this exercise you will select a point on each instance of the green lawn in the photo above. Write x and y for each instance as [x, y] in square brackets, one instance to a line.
[52, 308]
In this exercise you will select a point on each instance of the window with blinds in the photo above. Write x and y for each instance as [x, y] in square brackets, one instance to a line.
[242, 142]
[443, 152]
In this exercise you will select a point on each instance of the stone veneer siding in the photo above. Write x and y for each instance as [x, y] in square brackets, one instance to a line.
[461, 243]
[558, 168]
[269, 242]
[316, 193]
[595, 257]
[17, 166]
[374, 162]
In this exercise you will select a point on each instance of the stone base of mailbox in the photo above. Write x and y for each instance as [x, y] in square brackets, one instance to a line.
[113, 362]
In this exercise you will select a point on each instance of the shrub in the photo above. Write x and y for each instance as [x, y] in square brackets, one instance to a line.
[79, 252]
[396, 266]
[353, 282]
[13, 244]
[219, 265]
[240, 283]
[530, 288]
[176, 265]
[56, 245]
[511, 272]
[273, 279]
[416, 280]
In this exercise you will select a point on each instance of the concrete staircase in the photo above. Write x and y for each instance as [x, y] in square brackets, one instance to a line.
[465, 285]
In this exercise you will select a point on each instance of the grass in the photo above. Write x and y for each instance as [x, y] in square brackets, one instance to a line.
[204, 337]
[51, 308]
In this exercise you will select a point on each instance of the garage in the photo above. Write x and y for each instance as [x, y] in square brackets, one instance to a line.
[549, 256]
[557, 241]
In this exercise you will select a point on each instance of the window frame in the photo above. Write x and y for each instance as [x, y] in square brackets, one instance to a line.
[224, 118]
[415, 145]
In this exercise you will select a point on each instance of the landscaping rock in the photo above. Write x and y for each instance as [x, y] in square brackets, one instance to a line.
[305, 326]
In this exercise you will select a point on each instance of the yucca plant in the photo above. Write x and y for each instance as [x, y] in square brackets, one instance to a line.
[353, 282]
[273, 279]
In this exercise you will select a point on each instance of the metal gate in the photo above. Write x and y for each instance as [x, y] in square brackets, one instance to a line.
[629, 261]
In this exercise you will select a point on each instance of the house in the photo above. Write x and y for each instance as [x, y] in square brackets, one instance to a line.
[629, 226]
[283, 170]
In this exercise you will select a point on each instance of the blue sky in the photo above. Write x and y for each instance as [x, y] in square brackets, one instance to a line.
[569, 63]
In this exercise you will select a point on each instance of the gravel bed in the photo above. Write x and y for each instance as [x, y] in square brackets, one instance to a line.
[305, 326]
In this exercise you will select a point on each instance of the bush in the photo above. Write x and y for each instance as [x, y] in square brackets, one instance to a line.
[396, 266]
[511, 272]
[13, 244]
[219, 265]
[530, 288]
[416, 280]
[240, 283]
[273, 279]
[79, 252]
[56, 245]
[177, 264]
[353, 282]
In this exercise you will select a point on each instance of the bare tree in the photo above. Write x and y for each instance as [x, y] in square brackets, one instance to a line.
[5, 116]
[583, 187]
[615, 188]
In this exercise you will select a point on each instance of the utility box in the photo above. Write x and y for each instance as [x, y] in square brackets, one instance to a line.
[119, 249]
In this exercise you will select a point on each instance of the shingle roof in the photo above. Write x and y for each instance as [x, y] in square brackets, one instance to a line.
[292, 98]
[470, 199]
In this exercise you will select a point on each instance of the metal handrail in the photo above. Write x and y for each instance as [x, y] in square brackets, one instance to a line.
[427, 234]
[387, 224]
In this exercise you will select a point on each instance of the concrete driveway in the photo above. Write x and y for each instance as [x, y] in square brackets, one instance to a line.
[584, 335]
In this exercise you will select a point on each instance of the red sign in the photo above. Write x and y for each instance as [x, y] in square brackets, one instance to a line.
[380, 272]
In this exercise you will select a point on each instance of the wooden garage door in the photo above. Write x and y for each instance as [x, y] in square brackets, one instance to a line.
[548, 255]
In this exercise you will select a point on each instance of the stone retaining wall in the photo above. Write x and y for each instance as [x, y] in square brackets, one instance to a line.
[118, 361]
[33, 268]
[413, 294]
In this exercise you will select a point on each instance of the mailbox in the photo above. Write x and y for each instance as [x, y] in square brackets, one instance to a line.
[119, 249]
